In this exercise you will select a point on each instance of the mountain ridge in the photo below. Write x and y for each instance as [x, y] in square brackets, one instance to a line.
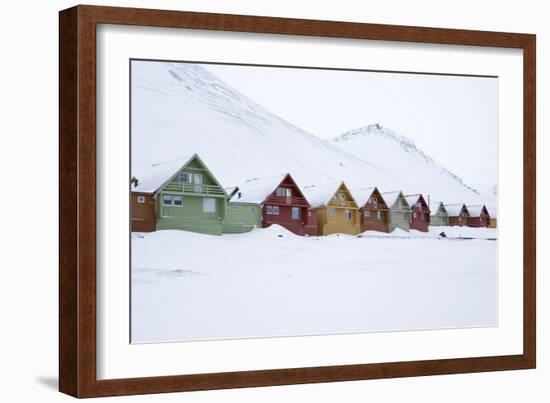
[180, 108]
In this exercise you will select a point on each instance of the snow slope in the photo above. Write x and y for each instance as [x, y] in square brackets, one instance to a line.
[419, 172]
[180, 109]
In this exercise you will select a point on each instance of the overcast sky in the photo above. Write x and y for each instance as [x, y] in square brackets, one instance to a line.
[453, 119]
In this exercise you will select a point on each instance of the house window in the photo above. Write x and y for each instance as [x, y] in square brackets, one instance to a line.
[366, 213]
[208, 205]
[341, 196]
[141, 199]
[379, 215]
[414, 215]
[332, 212]
[373, 200]
[178, 201]
[404, 216]
[347, 214]
[272, 210]
[167, 200]
[185, 177]
[280, 192]
[423, 216]
[295, 213]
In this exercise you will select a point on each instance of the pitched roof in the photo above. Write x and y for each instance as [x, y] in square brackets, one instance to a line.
[475, 209]
[412, 199]
[453, 210]
[436, 205]
[320, 195]
[391, 197]
[256, 190]
[362, 195]
[153, 177]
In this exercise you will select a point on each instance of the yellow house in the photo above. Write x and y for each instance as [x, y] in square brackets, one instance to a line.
[337, 211]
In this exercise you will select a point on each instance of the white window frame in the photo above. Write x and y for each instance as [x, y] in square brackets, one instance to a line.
[141, 199]
[366, 213]
[299, 216]
[379, 215]
[165, 198]
[331, 212]
[347, 214]
[189, 177]
[177, 197]
[341, 197]
[204, 205]
[280, 192]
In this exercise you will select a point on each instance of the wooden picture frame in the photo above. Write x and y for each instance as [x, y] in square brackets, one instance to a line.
[77, 206]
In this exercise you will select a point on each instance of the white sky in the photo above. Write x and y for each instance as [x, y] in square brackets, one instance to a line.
[453, 119]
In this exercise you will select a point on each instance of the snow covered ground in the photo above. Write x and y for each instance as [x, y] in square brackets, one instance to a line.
[269, 282]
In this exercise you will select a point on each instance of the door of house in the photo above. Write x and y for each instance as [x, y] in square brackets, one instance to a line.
[288, 194]
[198, 183]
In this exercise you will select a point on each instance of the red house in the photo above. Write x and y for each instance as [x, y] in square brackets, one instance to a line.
[282, 203]
[420, 217]
[479, 216]
[458, 214]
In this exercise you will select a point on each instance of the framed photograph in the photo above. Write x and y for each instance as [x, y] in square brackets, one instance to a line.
[256, 201]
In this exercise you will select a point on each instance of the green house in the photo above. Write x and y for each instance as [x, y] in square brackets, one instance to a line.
[440, 217]
[241, 217]
[400, 211]
[187, 195]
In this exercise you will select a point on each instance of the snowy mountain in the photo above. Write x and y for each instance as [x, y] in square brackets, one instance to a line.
[180, 109]
[399, 155]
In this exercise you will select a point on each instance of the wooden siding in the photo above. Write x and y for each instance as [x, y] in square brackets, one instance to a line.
[420, 215]
[303, 224]
[339, 222]
[482, 220]
[492, 222]
[461, 219]
[439, 219]
[400, 219]
[374, 215]
[400, 215]
[191, 215]
[142, 215]
[241, 217]
[374, 220]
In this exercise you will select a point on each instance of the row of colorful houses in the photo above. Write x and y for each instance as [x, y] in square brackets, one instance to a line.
[183, 194]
